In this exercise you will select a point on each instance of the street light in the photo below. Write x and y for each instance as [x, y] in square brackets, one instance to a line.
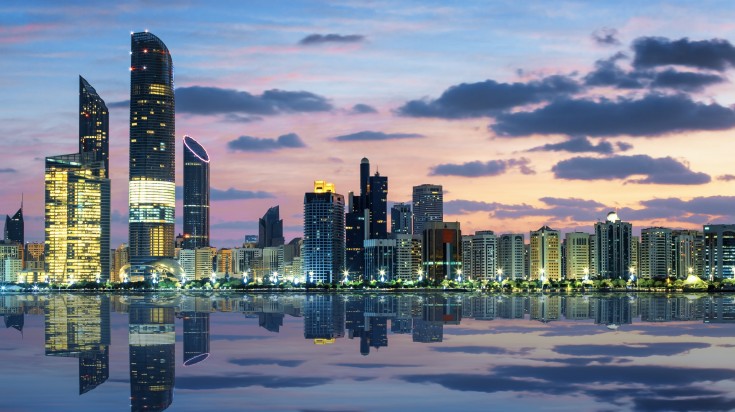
[421, 274]
[586, 272]
[347, 276]
[382, 275]
[631, 270]
[311, 277]
[500, 274]
[459, 275]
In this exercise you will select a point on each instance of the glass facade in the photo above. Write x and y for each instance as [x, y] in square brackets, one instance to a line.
[324, 234]
[14, 227]
[152, 151]
[152, 356]
[428, 206]
[196, 195]
[94, 124]
[77, 212]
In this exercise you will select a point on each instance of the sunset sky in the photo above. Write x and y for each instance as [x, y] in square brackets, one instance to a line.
[528, 113]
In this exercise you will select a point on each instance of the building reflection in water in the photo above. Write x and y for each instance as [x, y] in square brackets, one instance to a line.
[195, 315]
[324, 318]
[79, 326]
[152, 348]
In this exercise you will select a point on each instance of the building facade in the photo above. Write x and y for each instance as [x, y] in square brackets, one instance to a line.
[428, 206]
[401, 219]
[94, 124]
[545, 254]
[441, 249]
[511, 256]
[657, 249]
[613, 245]
[270, 228]
[196, 195]
[577, 255]
[719, 251]
[323, 257]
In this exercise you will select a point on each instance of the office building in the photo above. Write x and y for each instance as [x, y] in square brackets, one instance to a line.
[407, 257]
[356, 232]
[94, 124]
[152, 183]
[577, 255]
[613, 244]
[401, 219]
[719, 251]
[14, 227]
[511, 256]
[378, 206]
[441, 249]
[270, 229]
[545, 254]
[428, 206]
[656, 252]
[323, 257]
[77, 218]
[196, 195]
[380, 259]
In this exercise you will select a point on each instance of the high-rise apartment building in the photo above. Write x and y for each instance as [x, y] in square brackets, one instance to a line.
[656, 252]
[511, 256]
[401, 219]
[152, 183]
[94, 124]
[270, 229]
[380, 259]
[613, 247]
[196, 195]
[483, 256]
[688, 256]
[577, 255]
[545, 257]
[441, 250]
[719, 251]
[428, 206]
[323, 257]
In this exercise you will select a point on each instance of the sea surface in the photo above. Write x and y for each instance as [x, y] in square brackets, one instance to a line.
[366, 352]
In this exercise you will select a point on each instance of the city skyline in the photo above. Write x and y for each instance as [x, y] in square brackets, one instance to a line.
[427, 92]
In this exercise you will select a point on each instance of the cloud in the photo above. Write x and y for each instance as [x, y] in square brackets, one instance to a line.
[606, 36]
[715, 54]
[256, 144]
[608, 73]
[228, 194]
[316, 39]
[665, 170]
[362, 108]
[487, 98]
[370, 135]
[122, 104]
[228, 382]
[638, 350]
[203, 100]
[687, 81]
[652, 115]
[478, 168]
[237, 118]
[579, 145]
[374, 365]
[481, 350]
[8, 170]
[726, 178]
[462, 207]
[266, 361]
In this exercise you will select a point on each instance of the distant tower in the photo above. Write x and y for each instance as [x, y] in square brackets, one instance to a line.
[196, 195]
[613, 247]
[270, 228]
[378, 206]
[152, 180]
[323, 257]
[14, 227]
[401, 219]
[428, 206]
[94, 124]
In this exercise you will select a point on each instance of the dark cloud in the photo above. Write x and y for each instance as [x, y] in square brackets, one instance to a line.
[478, 168]
[579, 144]
[8, 170]
[461, 207]
[608, 73]
[715, 54]
[371, 135]
[665, 170]
[687, 81]
[726, 178]
[315, 39]
[373, 365]
[213, 100]
[229, 194]
[229, 382]
[606, 36]
[652, 115]
[623, 146]
[257, 144]
[481, 350]
[266, 361]
[708, 207]
[237, 118]
[488, 98]
[122, 104]
[638, 350]
[699, 403]
[571, 202]
[361, 108]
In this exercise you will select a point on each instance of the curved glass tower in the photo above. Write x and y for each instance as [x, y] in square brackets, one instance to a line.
[196, 195]
[94, 124]
[152, 151]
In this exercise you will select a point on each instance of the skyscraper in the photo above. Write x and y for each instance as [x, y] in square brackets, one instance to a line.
[688, 253]
[323, 258]
[378, 206]
[656, 252]
[270, 228]
[196, 195]
[613, 247]
[719, 251]
[483, 256]
[77, 218]
[355, 234]
[152, 151]
[545, 259]
[428, 206]
[401, 219]
[442, 250]
[511, 255]
[94, 124]
[14, 227]
[577, 255]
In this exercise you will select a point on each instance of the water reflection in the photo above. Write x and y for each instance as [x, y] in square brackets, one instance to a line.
[79, 326]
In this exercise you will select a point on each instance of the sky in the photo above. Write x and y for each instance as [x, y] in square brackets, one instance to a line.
[528, 113]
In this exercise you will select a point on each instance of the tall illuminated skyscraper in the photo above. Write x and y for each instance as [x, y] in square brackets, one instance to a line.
[323, 257]
[613, 245]
[94, 124]
[152, 151]
[196, 195]
[428, 206]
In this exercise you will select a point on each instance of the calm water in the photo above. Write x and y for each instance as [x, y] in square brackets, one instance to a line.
[367, 352]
